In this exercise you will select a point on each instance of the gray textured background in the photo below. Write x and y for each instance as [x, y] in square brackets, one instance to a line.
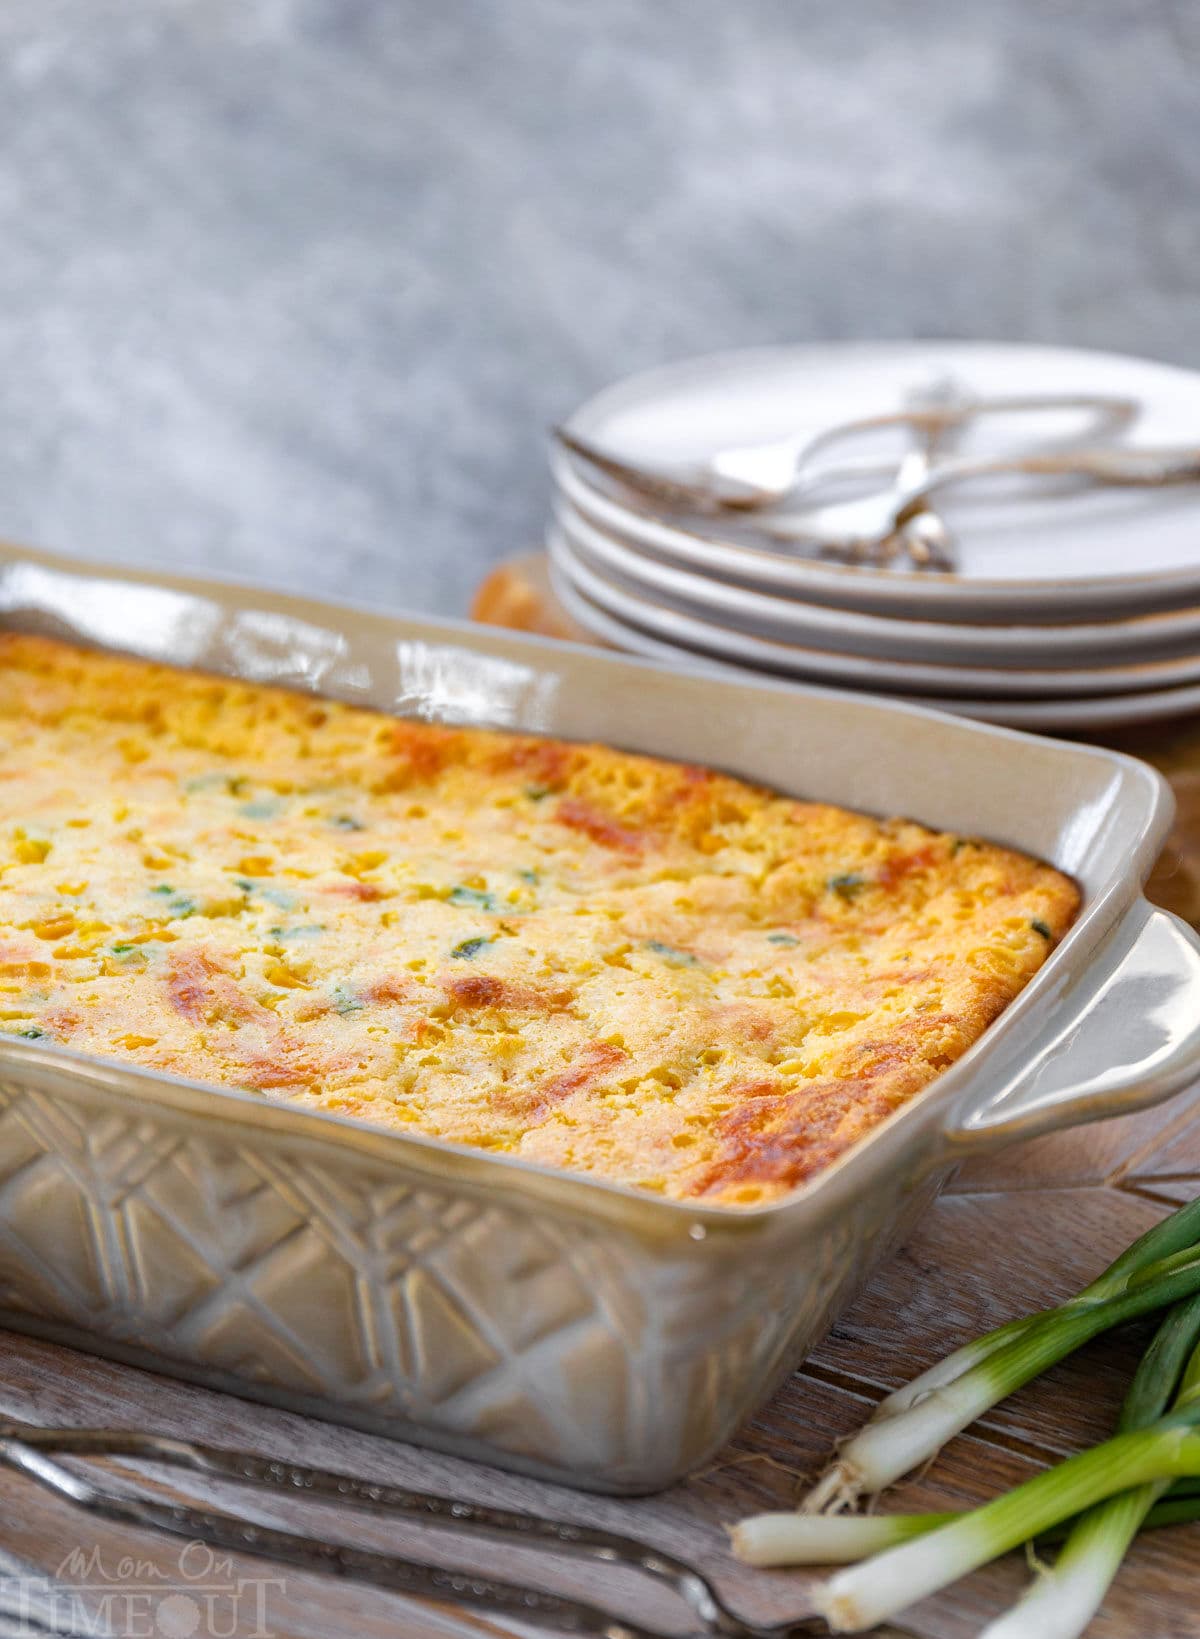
[292, 287]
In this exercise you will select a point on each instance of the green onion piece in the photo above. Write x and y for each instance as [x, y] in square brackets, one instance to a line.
[888, 1446]
[279, 897]
[179, 906]
[1185, 1488]
[1173, 1511]
[471, 899]
[841, 1486]
[1173, 1234]
[468, 948]
[868, 1593]
[1062, 1601]
[842, 1539]
[825, 1539]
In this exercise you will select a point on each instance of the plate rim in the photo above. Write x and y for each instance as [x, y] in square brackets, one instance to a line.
[1029, 716]
[642, 568]
[828, 665]
[847, 579]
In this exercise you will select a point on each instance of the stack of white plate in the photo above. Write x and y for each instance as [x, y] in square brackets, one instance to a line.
[1071, 606]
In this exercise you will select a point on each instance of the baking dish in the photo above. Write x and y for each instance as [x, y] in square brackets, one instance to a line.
[575, 1329]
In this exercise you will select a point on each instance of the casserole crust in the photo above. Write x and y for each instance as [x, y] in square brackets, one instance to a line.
[656, 974]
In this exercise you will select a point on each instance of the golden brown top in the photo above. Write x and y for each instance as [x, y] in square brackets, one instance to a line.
[653, 973]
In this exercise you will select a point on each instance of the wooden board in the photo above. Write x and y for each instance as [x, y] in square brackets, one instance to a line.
[1015, 1231]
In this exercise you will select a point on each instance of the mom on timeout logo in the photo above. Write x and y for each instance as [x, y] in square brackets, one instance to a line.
[201, 1597]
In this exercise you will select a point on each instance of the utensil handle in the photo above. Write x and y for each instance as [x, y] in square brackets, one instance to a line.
[937, 417]
[1115, 465]
[1130, 1038]
[1127, 466]
[531, 1607]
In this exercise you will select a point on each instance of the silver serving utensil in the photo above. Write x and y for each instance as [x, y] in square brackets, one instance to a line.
[854, 530]
[34, 1452]
[751, 477]
[926, 537]
[923, 534]
[929, 541]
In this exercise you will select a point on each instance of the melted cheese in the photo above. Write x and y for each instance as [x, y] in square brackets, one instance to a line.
[651, 973]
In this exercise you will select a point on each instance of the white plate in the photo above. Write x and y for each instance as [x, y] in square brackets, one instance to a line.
[1167, 634]
[858, 671]
[1106, 711]
[1121, 550]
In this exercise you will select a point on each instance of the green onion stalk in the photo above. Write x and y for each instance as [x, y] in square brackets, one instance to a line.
[1133, 1469]
[1063, 1600]
[789, 1538]
[876, 1589]
[910, 1426]
[826, 1539]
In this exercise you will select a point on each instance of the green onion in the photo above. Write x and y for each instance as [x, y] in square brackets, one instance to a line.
[279, 897]
[471, 899]
[468, 948]
[1039, 926]
[179, 905]
[1173, 1510]
[826, 1539]
[842, 1539]
[1114, 1489]
[207, 782]
[847, 885]
[888, 1448]
[912, 1424]
[670, 955]
[1062, 1601]
[875, 1590]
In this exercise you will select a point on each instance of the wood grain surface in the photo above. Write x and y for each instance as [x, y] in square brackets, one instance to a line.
[1013, 1232]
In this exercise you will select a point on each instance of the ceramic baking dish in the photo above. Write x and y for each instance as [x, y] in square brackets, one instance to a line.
[571, 1328]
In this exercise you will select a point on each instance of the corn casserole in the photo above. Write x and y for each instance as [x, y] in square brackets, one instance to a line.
[655, 974]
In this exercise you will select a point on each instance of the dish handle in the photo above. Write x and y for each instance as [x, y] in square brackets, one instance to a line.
[1129, 1037]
